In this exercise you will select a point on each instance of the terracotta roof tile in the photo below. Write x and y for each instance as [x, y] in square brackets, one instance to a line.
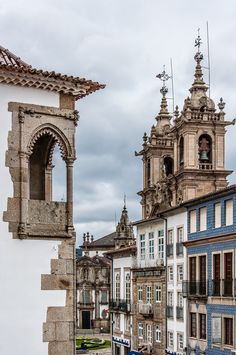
[14, 71]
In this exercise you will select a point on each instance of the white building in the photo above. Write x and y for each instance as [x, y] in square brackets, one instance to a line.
[122, 290]
[36, 232]
[149, 287]
[176, 308]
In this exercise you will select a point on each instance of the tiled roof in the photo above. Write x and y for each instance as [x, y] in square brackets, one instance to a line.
[105, 242]
[8, 58]
[14, 71]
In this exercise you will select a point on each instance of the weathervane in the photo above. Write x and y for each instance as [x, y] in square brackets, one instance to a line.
[198, 41]
[163, 77]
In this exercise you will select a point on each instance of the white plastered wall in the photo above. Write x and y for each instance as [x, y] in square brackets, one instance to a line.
[23, 306]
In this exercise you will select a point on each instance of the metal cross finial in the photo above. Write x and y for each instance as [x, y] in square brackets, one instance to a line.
[163, 77]
[124, 200]
[198, 41]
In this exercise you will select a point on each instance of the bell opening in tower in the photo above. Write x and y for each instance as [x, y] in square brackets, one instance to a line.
[205, 149]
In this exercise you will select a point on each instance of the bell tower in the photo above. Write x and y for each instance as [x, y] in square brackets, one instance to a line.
[199, 134]
[157, 155]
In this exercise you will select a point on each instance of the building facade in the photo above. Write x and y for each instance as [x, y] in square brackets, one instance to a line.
[176, 271]
[37, 112]
[93, 293]
[210, 287]
[121, 303]
[149, 288]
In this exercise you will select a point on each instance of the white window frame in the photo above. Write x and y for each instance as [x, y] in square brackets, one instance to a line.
[158, 293]
[180, 234]
[158, 334]
[127, 287]
[180, 275]
[151, 247]
[192, 221]
[229, 217]
[170, 298]
[117, 286]
[149, 333]
[148, 294]
[180, 341]
[170, 273]
[202, 218]
[170, 236]
[140, 293]
[170, 339]
[142, 246]
[217, 215]
[160, 238]
[140, 330]
[180, 299]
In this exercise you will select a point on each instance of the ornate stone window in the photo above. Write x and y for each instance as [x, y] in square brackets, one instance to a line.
[181, 152]
[205, 149]
[168, 166]
[36, 130]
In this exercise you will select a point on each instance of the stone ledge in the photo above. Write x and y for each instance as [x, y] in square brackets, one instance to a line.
[60, 314]
[56, 282]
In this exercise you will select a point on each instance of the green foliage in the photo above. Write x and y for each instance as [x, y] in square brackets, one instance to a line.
[92, 343]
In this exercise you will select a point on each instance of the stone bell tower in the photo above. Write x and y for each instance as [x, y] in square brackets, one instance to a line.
[157, 155]
[199, 135]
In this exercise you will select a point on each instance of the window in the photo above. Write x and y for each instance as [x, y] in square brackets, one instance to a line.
[158, 334]
[217, 214]
[103, 296]
[228, 331]
[117, 321]
[127, 323]
[228, 212]
[180, 272]
[180, 235]
[203, 219]
[117, 286]
[216, 275]
[140, 330]
[149, 294]
[193, 325]
[149, 333]
[170, 236]
[192, 268]
[86, 297]
[202, 326]
[180, 299]
[170, 298]
[161, 244]
[148, 172]
[170, 339]
[140, 293]
[158, 293]
[192, 221]
[151, 245]
[170, 273]
[228, 274]
[142, 246]
[180, 340]
[127, 288]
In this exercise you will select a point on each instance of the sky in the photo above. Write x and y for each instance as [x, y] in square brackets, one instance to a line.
[123, 44]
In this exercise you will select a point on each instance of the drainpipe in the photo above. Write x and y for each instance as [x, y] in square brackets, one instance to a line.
[165, 236]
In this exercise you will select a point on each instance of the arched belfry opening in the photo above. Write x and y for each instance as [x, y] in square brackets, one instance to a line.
[168, 166]
[205, 149]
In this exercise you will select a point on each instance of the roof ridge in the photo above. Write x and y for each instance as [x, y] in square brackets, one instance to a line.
[9, 58]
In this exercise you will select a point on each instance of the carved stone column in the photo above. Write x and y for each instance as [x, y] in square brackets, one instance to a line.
[69, 178]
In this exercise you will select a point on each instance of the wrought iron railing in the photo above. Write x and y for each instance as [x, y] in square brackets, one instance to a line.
[195, 288]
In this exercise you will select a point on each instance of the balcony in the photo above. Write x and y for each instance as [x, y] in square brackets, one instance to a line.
[120, 305]
[205, 166]
[179, 249]
[146, 309]
[180, 313]
[169, 311]
[223, 287]
[169, 250]
[195, 289]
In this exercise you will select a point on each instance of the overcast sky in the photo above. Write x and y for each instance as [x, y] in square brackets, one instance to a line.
[123, 44]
